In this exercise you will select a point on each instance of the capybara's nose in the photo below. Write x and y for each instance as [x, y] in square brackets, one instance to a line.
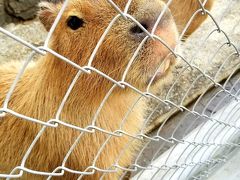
[136, 30]
[147, 15]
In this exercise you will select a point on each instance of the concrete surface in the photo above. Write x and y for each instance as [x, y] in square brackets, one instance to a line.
[210, 145]
[230, 170]
[184, 123]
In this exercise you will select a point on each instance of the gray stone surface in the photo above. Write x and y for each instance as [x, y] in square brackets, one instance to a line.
[230, 170]
[5, 18]
[2, 13]
[23, 9]
[11, 50]
[17, 10]
[185, 122]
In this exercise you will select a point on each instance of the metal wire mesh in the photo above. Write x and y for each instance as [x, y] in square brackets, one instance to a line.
[213, 135]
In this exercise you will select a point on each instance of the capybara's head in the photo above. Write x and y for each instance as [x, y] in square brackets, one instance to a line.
[85, 21]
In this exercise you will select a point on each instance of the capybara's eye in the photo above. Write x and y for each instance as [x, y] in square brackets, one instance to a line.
[75, 22]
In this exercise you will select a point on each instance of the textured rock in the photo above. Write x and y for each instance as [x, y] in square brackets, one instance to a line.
[2, 13]
[11, 50]
[23, 9]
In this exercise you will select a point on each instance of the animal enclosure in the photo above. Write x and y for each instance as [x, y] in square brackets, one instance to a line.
[191, 124]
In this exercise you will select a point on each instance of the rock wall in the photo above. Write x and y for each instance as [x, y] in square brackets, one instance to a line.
[17, 10]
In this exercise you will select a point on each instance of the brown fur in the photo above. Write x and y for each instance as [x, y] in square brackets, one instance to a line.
[183, 11]
[44, 84]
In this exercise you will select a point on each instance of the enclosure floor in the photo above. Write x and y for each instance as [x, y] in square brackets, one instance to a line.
[184, 125]
[230, 170]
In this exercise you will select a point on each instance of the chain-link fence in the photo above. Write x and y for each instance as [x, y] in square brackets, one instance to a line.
[63, 118]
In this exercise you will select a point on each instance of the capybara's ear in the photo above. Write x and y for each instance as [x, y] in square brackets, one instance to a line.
[47, 13]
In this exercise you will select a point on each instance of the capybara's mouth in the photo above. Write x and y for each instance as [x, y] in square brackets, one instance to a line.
[164, 69]
[162, 62]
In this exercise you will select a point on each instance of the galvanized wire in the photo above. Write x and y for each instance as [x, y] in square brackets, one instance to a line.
[216, 134]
